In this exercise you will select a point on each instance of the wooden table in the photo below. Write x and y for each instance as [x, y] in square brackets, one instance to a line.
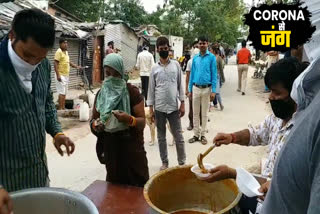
[117, 199]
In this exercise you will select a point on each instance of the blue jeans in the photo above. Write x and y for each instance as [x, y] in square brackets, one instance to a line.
[217, 99]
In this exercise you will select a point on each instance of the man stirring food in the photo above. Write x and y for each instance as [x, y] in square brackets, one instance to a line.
[272, 131]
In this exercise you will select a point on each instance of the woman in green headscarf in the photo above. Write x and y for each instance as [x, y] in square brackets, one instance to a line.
[118, 121]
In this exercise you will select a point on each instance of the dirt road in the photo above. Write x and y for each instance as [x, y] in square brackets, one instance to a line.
[82, 168]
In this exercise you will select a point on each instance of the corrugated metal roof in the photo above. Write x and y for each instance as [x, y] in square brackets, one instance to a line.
[3, 33]
[7, 12]
[9, 9]
[90, 26]
[121, 22]
[66, 12]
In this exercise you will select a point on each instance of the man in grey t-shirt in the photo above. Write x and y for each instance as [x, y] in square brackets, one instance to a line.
[295, 186]
[165, 92]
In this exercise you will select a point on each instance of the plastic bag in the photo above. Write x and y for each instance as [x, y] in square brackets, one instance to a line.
[112, 124]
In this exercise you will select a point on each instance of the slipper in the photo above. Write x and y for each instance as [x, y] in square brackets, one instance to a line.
[204, 140]
[193, 139]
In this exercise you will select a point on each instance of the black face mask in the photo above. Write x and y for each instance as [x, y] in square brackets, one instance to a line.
[283, 109]
[164, 54]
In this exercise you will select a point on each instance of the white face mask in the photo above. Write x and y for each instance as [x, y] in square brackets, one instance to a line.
[23, 69]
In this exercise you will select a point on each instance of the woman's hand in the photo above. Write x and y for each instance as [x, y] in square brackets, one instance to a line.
[122, 116]
[97, 125]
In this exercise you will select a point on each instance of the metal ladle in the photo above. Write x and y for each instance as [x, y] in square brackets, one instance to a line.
[201, 156]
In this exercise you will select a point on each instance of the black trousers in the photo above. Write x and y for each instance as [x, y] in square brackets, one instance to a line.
[190, 115]
[145, 85]
[247, 204]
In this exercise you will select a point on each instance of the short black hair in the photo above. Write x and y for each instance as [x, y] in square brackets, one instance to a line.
[162, 40]
[110, 43]
[215, 50]
[62, 40]
[194, 43]
[203, 38]
[285, 71]
[244, 43]
[35, 24]
[145, 47]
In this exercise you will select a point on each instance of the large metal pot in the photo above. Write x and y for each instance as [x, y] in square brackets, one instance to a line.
[51, 201]
[177, 189]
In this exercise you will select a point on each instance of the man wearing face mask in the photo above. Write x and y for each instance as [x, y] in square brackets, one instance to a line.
[274, 129]
[165, 89]
[27, 110]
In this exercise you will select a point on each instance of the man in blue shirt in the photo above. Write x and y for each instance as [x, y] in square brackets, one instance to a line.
[202, 88]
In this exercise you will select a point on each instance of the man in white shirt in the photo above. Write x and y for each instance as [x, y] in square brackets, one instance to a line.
[195, 51]
[144, 64]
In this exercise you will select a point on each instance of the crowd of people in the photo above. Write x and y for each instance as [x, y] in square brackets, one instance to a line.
[27, 112]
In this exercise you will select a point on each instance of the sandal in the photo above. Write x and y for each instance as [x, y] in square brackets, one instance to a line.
[204, 140]
[193, 139]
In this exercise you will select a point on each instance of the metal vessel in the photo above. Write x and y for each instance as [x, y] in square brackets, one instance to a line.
[178, 189]
[51, 201]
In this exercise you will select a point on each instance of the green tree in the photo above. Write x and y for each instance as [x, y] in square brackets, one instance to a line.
[87, 10]
[186, 10]
[155, 17]
[130, 11]
[217, 19]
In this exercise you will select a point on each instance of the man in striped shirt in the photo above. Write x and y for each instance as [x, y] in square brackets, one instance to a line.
[27, 110]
